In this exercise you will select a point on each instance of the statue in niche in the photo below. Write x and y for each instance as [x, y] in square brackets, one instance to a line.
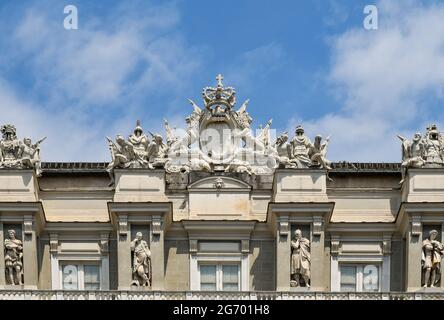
[300, 261]
[141, 262]
[432, 251]
[13, 259]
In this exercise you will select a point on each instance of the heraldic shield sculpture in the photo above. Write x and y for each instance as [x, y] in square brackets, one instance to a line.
[218, 138]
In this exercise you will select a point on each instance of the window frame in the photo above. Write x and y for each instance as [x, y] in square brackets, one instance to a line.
[219, 273]
[80, 273]
[359, 275]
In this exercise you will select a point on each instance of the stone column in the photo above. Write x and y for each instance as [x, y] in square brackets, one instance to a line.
[317, 255]
[283, 253]
[2, 258]
[157, 254]
[414, 251]
[124, 267]
[30, 262]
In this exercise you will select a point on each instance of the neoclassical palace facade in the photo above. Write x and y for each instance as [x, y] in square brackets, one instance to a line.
[218, 212]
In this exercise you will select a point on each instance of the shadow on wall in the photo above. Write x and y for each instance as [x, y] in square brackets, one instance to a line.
[262, 273]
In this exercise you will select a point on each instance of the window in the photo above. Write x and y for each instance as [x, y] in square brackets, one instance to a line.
[360, 277]
[80, 276]
[216, 277]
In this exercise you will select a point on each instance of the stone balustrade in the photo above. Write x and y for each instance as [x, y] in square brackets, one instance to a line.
[202, 295]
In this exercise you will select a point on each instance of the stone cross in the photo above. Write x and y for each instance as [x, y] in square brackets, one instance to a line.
[219, 79]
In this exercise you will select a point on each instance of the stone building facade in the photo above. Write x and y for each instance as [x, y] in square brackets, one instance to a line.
[187, 219]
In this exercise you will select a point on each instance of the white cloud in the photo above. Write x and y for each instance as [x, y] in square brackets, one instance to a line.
[382, 77]
[84, 84]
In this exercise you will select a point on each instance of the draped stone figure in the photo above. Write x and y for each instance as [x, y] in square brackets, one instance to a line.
[300, 260]
[299, 149]
[141, 262]
[319, 153]
[13, 259]
[30, 155]
[432, 251]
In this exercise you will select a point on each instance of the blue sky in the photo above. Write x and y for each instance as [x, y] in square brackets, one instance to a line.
[299, 62]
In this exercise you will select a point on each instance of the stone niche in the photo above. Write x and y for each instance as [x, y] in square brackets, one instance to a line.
[302, 185]
[18, 185]
[219, 196]
[424, 185]
[139, 185]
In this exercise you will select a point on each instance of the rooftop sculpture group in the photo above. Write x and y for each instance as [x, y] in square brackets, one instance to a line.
[16, 154]
[423, 150]
[218, 138]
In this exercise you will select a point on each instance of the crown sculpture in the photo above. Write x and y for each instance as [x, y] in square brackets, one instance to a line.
[217, 139]
[16, 154]
[425, 150]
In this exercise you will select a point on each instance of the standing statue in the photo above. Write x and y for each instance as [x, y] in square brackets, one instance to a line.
[432, 251]
[412, 154]
[300, 260]
[319, 153]
[13, 259]
[141, 262]
[299, 149]
[140, 143]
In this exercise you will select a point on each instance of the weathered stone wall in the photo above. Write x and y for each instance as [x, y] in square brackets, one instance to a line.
[177, 265]
[262, 265]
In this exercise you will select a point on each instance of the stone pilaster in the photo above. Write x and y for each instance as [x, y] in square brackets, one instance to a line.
[123, 253]
[30, 259]
[317, 255]
[283, 253]
[157, 254]
[414, 251]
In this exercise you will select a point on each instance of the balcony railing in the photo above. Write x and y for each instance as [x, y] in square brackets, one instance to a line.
[203, 295]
